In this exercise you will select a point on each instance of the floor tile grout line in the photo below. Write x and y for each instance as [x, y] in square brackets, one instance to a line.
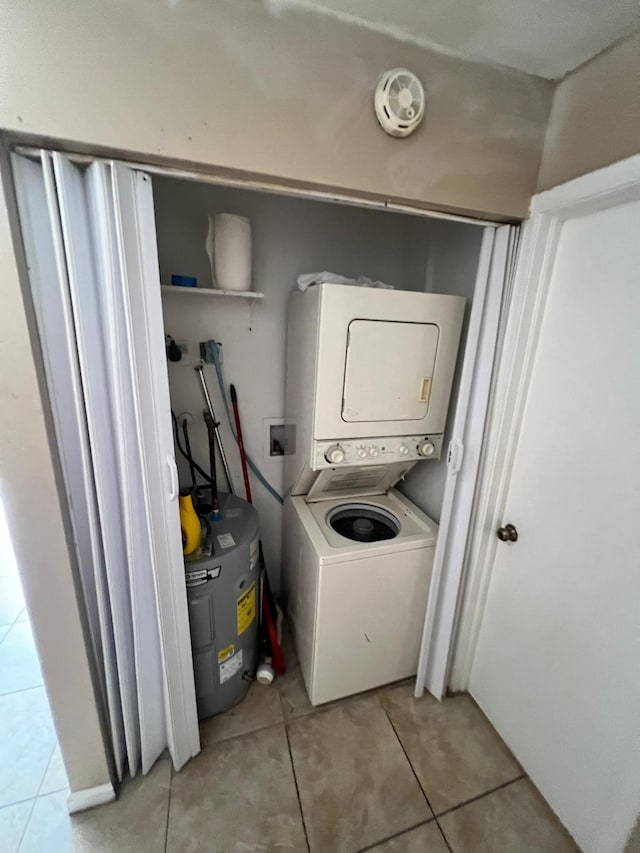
[166, 828]
[12, 625]
[374, 693]
[295, 782]
[22, 690]
[18, 802]
[34, 797]
[46, 770]
[424, 793]
[406, 755]
[500, 738]
[444, 837]
[459, 805]
[49, 793]
[23, 606]
[205, 747]
[398, 834]
[7, 632]
[280, 699]
[26, 825]
[480, 796]
[468, 802]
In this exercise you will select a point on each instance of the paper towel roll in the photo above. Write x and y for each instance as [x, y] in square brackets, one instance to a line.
[232, 252]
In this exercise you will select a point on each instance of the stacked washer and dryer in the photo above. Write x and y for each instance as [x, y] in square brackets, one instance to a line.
[369, 376]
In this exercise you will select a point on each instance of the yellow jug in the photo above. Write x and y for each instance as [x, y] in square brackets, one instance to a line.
[190, 523]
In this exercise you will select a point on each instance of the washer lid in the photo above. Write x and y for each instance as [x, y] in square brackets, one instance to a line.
[417, 530]
[358, 480]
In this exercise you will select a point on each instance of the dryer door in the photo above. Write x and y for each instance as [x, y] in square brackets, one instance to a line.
[385, 362]
[388, 370]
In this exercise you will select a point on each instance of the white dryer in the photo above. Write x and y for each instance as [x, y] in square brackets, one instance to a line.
[369, 376]
[357, 577]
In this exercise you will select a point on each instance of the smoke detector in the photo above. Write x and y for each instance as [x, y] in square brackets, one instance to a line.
[399, 102]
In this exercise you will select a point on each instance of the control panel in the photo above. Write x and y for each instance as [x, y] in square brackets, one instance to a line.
[378, 451]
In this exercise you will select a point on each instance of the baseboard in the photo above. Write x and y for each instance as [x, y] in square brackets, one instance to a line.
[88, 798]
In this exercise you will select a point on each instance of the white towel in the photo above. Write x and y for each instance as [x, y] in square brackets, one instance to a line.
[306, 280]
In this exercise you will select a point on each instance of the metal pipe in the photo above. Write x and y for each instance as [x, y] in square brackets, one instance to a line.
[211, 431]
[187, 443]
[216, 423]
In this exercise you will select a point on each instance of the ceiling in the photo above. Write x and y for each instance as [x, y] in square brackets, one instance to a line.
[547, 38]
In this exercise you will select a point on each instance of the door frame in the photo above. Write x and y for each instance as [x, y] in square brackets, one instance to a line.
[596, 191]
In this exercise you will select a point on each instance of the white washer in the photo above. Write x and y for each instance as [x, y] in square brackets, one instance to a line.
[357, 607]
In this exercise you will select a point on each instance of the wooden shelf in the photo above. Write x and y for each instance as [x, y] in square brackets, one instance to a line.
[210, 291]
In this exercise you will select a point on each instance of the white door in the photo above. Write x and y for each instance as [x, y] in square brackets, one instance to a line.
[557, 665]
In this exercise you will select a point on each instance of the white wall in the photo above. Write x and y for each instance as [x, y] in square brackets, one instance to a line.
[290, 236]
[452, 265]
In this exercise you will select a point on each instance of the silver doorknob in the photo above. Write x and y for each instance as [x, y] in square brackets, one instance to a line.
[508, 533]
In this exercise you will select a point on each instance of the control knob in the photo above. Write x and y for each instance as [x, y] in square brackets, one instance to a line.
[361, 452]
[373, 451]
[426, 448]
[403, 450]
[335, 454]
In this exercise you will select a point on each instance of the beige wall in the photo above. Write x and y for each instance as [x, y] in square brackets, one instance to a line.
[595, 117]
[30, 498]
[230, 84]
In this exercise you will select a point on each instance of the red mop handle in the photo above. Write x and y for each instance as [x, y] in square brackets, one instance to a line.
[267, 598]
[243, 453]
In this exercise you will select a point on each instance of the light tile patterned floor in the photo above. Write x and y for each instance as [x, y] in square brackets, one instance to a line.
[381, 772]
[31, 769]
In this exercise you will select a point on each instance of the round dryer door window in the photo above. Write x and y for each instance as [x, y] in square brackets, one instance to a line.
[363, 522]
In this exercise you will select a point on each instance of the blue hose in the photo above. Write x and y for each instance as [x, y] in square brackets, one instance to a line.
[210, 351]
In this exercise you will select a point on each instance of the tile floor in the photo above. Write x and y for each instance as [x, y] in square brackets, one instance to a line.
[31, 769]
[380, 772]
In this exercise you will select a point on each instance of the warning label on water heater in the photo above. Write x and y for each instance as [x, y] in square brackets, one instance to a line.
[246, 608]
[226, 540]
[229, 667]
[225, 654]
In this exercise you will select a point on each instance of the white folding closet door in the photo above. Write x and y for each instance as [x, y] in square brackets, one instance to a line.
[495, 268]
[107, 310]
[114, 460]
[44, 246]
[138, 254]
